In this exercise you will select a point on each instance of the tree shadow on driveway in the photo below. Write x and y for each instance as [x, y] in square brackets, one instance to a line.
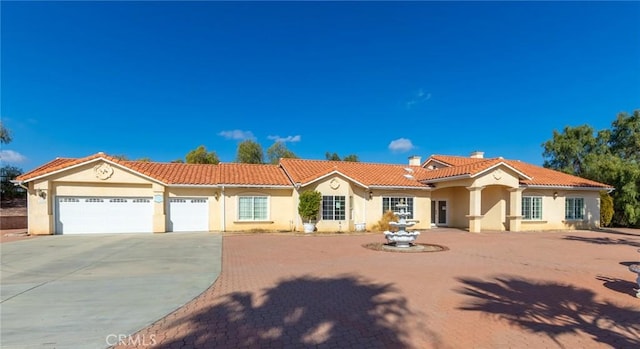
[553, 309]
[344, 311]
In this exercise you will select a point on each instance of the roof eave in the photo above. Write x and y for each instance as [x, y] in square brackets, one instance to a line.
[444, 179]
[570, 187]
[506, 165]
[399, 187]
[92, 161]
[333, 173]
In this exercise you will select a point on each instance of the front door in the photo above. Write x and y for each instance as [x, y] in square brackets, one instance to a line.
[439, 212]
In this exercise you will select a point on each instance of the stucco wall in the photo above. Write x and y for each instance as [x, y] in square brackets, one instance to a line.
[421, 206]
[553, 210]
[40, 212]
[495, 203]
[280, 217]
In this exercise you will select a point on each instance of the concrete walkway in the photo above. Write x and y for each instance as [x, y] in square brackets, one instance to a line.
[91, 291]
[489, 290]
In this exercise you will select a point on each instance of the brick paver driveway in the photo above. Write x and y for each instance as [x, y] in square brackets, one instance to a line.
[490, 290]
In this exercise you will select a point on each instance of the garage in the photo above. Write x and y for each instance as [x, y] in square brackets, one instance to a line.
[188, 214]
[86, 215]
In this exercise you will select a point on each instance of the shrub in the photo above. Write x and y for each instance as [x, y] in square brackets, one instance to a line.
[606, 208]
[383, 223]
[309, 205]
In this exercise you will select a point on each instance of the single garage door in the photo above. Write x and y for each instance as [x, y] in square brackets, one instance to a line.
[85, 215]
[188, 214]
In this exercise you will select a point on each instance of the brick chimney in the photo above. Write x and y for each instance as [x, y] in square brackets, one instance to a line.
[477, 155]
[415, 160]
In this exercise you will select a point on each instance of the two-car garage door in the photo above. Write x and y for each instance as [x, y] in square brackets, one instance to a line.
[81, 215]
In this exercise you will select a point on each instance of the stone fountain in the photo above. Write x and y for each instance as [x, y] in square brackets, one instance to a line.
[401, 238]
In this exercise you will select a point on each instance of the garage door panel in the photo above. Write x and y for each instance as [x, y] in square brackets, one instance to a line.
[188, 214]
[82, 215]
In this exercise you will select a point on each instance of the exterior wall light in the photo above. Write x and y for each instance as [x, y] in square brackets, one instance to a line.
[555, 195]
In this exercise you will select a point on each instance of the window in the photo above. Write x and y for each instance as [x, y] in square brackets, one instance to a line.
[531, 207]
[389, 203]
[333, 208]
[252, 208]
[574, 208]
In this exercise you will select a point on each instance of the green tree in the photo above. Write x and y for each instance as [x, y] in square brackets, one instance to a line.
[351, 158]
[178, 161]
[8, 189]
[332, 156]
[278, 151]
[249, 152]
[625, 136]
[201, 156]
[144, 159]
[566, 151]
[335, 157]
[609, 156]
[5, 135]
[121, 157]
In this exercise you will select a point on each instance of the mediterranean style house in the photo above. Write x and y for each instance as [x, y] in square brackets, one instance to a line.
[101, 194]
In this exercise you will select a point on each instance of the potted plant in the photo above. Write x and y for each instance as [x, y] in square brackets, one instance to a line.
[308, 208]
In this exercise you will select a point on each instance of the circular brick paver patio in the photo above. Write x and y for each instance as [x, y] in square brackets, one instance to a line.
[490, 290]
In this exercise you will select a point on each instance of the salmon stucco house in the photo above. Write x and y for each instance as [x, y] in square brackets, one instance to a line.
[101, 194]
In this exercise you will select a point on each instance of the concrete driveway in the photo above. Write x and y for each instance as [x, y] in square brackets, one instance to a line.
[91, 291]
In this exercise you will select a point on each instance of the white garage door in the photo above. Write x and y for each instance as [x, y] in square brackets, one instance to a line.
[85, 215]
[188, 214]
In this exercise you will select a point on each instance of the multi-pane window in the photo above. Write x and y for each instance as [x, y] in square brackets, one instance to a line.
[333, 208]
[531, 207]
[389, 203]
[574, 208]
[252, 208]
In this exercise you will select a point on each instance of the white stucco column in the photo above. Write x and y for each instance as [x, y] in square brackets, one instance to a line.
[475, 209]
[515, 209]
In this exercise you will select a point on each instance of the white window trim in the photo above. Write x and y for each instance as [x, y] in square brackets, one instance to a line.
[413, 207]
[334, 212]
[266, 219]
[582, 211]
[531, 197]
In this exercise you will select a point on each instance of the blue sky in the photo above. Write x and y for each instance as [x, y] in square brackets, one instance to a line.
[377, 79]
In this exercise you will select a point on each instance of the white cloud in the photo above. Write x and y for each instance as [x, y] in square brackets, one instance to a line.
[401, 145]
[419, 97]
[291, 139]
[11, 156]
[237, 134]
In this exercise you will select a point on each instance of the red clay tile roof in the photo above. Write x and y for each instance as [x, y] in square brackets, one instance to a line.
[547, 177]
[470, 169]
[61, 163]
[454, 160]
[176, 173]
[252, 175]
[537, 175]
[306, 171]
[180, 173]
[368, 174]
